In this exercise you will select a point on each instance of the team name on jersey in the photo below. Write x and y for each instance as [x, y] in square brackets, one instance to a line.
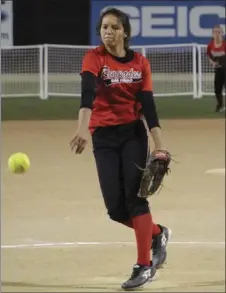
[217, 53]
[110, 76]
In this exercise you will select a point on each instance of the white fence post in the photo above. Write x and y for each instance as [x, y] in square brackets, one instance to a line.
[194, 67]
[200, 94]
[46, 74]
[143, 50]
[41, 80]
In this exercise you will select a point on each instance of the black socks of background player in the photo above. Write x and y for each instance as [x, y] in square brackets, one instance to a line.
[219, 98]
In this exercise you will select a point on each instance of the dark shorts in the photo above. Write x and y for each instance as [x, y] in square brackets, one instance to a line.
[118, 150]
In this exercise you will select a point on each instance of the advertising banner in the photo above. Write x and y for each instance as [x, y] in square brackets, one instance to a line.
[7, 23]
[165, 22]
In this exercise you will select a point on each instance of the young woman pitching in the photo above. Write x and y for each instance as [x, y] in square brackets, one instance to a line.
[116, 94]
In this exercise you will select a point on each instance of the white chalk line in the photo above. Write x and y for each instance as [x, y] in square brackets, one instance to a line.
[219, 171]
[77, 244]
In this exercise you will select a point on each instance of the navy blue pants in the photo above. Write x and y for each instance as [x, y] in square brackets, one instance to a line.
[118, 150]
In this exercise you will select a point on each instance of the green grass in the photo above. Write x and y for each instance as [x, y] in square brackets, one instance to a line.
[56, 108]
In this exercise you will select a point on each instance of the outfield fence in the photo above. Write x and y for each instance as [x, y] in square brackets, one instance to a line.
[54, 70]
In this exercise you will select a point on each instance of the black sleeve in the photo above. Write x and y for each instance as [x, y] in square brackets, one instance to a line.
[148, 108]
[88, 91]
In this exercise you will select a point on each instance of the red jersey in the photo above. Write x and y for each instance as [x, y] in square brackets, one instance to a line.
[214, 52]
[118, 84]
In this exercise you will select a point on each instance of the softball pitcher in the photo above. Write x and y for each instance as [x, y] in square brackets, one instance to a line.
[116, 94]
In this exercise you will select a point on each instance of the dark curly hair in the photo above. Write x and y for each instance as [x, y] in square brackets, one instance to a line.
[122, 17]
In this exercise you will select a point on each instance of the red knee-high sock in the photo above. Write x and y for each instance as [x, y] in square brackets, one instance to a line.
[156, 230]
[143, 230]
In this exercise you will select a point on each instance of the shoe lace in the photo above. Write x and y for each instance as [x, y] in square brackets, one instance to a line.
[135, 272]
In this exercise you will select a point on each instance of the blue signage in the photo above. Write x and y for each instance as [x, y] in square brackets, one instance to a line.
[165, 22]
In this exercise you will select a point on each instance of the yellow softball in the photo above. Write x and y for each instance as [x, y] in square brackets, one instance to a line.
[18, 163]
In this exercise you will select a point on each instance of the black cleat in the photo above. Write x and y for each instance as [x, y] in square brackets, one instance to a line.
[140, 276]
[159, 245]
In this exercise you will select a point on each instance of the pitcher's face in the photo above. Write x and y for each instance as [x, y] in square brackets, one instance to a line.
[112, 31]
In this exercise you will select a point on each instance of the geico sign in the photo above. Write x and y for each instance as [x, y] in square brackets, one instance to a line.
[179, 21]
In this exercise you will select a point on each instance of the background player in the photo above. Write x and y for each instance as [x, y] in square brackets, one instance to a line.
[215, 50]
[116, 89]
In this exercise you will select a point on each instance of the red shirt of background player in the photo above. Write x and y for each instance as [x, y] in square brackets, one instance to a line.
[118, 83]
[216, 51]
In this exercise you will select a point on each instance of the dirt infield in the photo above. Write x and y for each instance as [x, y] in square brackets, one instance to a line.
[58, 203]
